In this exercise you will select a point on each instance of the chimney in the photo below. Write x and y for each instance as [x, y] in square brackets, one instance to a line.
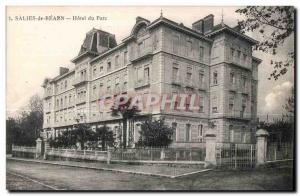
[208, 23]
[63, 70]
[198, 26]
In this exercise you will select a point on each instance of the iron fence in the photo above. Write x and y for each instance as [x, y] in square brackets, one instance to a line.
[279, 151]
[236, 156]
[77, 154]
[159, 154]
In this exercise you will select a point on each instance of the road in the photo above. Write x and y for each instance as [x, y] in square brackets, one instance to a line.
[35, 176]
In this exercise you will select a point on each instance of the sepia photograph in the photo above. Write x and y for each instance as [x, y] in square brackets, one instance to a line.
[150, 98]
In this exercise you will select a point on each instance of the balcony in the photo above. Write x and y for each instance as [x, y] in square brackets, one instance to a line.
[81, 100]
[124, 89]
[245, 90]
[189, 84]
[176, 81]
[142, 83]
[238, 62]
[137, 56]
[79, 81]
[233, 87]
[238, 115]
[202, 86]
[47, 95]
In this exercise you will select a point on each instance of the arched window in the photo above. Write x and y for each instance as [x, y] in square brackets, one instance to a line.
[141, 31]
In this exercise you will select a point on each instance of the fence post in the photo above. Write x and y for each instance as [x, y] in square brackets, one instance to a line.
[46, 147]
[261, 145]
[162, 154]
[210, 156]
[39, 147]
[109, 151]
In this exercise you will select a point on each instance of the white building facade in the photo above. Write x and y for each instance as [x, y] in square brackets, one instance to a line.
[162, 57]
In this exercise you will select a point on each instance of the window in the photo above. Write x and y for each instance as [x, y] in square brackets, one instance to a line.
[117, 61]
[95, 71]
[245, 58]
[200, 133]
[231, 132]
[140, 48]
[174, 127]
[232, 78]
[232, 53]
[244, 82]
[201, 53]
[140, 74]
[187, 132]
[189, 74]
[108, 86]
[238, 55]
[215, 104]
[201, 77]
[94, 89]
[109, 66]
[66, 84]
[101, 69]
[201, 104]
[175, 44]
[125, 58]
[146, 73]
[101, 88]
[70, 98]
[175, 73]
[189, 48]
[215, 78]
[244, 102]
[124, 86]
[231, 102]
[117, 83]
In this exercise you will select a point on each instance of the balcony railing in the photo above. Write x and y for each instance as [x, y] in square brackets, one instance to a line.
[142, 83]
[238, 114]
[238, 61]
[189, 83]
[245, 90]
[142, 54]
[78, 81]
[202, 86]
[233, 87]
[47, 95]
[176, 81]
[80, 100]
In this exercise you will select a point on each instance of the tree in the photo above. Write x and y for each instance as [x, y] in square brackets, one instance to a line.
[276, 25]
[155, 134]
[12, 133]
[289, 107]
[82, 133]
[34, 116]
[25, 129]
[126, 111]
[66, 140]
[106, 136]
[280, 130]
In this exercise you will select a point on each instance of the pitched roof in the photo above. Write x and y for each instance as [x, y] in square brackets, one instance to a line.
[223, 27]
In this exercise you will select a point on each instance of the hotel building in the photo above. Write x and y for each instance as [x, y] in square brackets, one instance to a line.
[214, 62]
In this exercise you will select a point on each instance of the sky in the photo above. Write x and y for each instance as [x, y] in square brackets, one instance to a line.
[36, 49]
